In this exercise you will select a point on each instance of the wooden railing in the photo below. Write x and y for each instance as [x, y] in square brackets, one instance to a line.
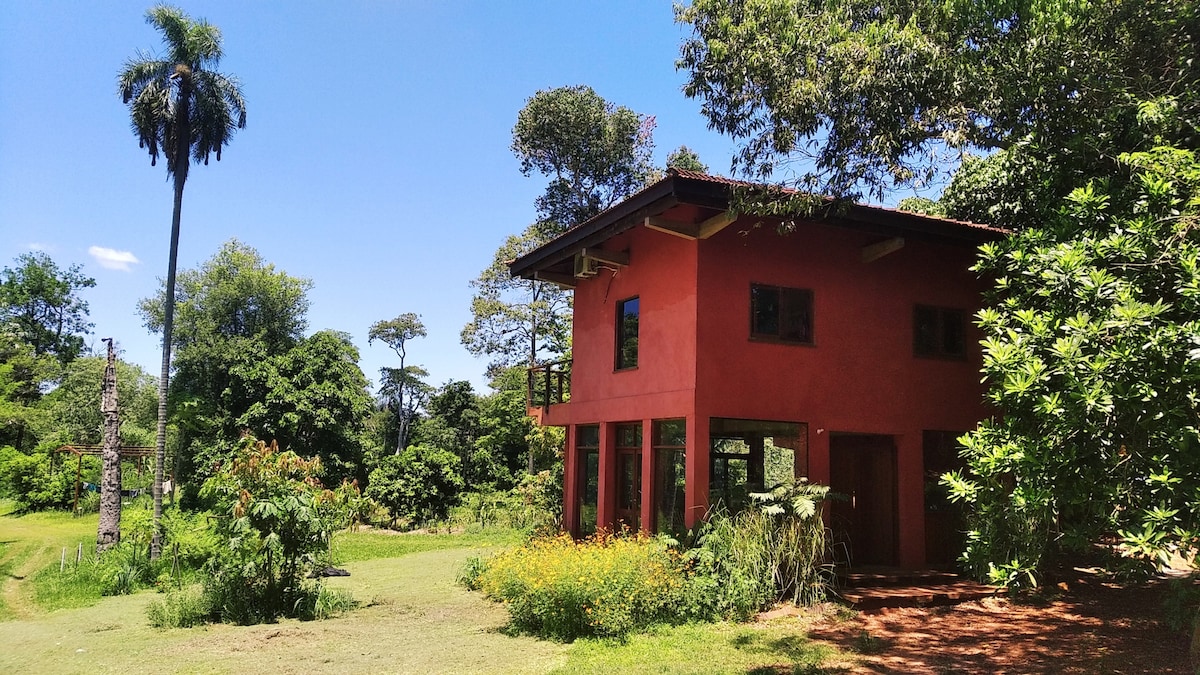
[549, 383]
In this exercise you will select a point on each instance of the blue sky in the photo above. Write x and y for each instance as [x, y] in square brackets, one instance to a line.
[375, 160]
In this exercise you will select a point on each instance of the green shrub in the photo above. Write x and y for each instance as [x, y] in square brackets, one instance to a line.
[605, 586]
[420, 485]
[181, 609]
[776, 551]
[274, 523]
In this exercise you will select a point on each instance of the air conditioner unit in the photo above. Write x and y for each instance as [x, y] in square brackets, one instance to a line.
[586, 267]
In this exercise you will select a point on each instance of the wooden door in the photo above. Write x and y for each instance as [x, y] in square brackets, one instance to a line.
[863, 469]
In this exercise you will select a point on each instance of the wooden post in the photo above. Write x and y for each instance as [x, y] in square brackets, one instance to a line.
[108, 532]
[78, 479]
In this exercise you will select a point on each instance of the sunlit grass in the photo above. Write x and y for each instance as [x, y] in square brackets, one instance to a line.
[707, 648]
[351, 546]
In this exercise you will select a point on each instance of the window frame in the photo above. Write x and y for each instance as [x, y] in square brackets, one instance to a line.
[941, 321]
[777, 338]
[620, 337]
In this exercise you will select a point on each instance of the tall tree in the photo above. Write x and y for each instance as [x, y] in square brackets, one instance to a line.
[43, 307]
[517, 321]
[594, 153]
[179, 106]
[108, 532]
[242, 363]
[405, 382]
[880, 94]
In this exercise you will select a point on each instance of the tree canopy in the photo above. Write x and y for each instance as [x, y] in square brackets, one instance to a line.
[42, 306]
[594, 153]
[880, 95]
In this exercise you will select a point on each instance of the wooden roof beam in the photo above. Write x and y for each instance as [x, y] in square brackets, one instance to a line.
[561, 280]
[873, 252]
[674, 227]
[715, 224]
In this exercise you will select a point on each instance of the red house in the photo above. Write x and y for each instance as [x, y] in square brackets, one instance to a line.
[713, 357]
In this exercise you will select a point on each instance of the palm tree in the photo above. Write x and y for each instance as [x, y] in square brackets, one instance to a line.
[181, 107]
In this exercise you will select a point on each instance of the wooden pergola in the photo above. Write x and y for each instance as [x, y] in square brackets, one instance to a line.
[138, 452]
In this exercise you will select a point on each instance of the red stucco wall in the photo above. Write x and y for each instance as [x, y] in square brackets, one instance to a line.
[696, 359]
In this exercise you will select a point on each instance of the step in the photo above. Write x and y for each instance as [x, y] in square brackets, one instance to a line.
[861, 577]
[923, 595]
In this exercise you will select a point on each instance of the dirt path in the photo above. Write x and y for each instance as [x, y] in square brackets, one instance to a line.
[1091, 627]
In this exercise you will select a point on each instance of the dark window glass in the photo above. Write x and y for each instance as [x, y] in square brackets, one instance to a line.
[670, 464]
[588, 445]
[627, 333]
[939, 332]
[629, 474]
[751, 455]
[779, 313]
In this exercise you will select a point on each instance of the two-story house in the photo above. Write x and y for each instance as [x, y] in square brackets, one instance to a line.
[713, 357]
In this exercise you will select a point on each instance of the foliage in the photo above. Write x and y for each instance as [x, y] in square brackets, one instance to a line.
[74, 405]
[404, 387]
[777, 551]
[505, 429]
[685, 158]
[419, 485]
[41, 304]
[875, 93]
[594, 153]
[234, 294]
[517, 321]
[179, 106]
[605, 586]
[33, 482]
[180, 609]
[275, 523]
[1092, 350]
[243, 363]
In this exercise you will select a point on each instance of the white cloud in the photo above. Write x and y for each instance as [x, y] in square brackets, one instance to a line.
[110, 258]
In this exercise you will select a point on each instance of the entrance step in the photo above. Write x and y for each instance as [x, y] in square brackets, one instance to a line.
[880, 587]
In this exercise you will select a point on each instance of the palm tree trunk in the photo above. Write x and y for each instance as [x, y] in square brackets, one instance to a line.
[160, 443]
[109, 531]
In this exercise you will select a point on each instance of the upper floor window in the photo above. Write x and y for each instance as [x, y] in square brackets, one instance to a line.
[939, 332]
[783, 314]
[627, 334]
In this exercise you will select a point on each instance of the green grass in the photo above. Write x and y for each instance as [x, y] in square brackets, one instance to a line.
[372, 545]
[413, 618]
[707, 648]
[32, 543]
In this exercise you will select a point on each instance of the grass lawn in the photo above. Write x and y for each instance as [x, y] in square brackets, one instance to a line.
[415, 620]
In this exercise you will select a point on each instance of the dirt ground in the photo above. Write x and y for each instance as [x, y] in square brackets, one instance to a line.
[1085, 626]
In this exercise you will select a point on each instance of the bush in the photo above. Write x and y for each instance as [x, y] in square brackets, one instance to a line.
[420, 484]
[274, 526]
[182, 609]
[33, 483]
[605, 586]
[777, 551]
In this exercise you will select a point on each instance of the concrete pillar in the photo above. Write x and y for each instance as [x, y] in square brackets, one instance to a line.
[696, 489]
[606, 497]
[571, 482]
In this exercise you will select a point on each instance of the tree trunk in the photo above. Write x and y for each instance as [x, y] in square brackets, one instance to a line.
[160, 441]
[180, 161]
[109, 532]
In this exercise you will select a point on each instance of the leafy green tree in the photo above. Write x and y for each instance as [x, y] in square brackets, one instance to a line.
[517, 321]
[594, 153]
[41, 303]
[181, 107]
[275, 526]
[243, 364]
[885, 94]
[73, 407]
[1097, 369]
[403, 387]
[421, 484]
[23, 375]
[685, 158]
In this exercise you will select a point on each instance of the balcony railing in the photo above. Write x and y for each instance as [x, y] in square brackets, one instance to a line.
[549, 383]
